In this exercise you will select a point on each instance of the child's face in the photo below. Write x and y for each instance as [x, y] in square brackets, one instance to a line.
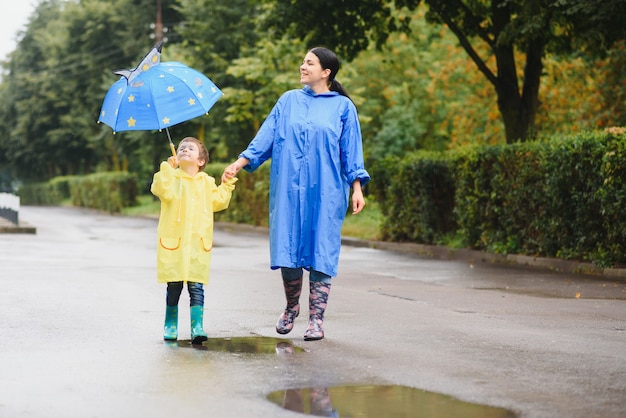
[189, 154]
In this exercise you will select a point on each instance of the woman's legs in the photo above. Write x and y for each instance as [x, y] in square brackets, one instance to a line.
[319, 288]
[292, 283]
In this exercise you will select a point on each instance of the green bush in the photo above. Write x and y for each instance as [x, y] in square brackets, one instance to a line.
[573, 222]
[562, 197]
[108, 191]
[50, 193]
[250, 201]
[417, 197]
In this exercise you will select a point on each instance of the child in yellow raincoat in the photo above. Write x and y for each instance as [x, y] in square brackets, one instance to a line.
[189, 197]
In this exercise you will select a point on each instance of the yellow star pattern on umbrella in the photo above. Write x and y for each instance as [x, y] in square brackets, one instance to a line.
[136, 101]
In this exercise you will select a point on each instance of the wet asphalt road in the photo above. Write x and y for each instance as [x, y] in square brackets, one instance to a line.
[82, 315]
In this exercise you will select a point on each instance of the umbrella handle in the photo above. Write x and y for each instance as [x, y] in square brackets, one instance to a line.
[171, 143]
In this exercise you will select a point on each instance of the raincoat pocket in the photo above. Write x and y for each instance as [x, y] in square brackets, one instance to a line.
[207, 244]
[170, 243]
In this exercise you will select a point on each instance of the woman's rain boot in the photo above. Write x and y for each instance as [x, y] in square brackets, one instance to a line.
[318, 298]
[198, 336]
[170, 330]
[293, 288]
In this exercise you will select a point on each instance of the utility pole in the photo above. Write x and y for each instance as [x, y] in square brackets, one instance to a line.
[158, 27]
[159, 30]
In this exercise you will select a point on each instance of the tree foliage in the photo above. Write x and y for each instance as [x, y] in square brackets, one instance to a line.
[532, 26]
[413, 85]
[214, 34]
[56, 79]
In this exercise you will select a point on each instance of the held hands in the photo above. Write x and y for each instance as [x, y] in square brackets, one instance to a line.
[232, 170]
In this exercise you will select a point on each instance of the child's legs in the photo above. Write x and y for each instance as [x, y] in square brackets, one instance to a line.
[172, 295]
[196, 294]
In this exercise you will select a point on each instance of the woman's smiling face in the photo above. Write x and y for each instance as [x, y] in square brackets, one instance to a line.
[312, 73]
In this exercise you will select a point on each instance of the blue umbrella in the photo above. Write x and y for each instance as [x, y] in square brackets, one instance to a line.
[157, 95]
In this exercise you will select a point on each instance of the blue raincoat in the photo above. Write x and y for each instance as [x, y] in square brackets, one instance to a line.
[314, 141]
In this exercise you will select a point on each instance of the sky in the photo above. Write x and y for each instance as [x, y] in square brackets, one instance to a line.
[13, 18]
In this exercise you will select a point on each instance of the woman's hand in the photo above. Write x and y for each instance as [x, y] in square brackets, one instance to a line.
[232, 170]
[358, 202]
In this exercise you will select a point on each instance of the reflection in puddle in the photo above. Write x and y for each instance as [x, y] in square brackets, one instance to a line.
[380, 401]
[249, 345]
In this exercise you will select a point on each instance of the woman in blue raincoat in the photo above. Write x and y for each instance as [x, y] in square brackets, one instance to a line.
[313, 137]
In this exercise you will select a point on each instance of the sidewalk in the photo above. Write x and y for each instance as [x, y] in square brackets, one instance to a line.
[435, 252]
[82, 322]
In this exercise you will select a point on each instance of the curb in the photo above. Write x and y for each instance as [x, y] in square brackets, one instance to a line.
[471, 256]
[8, 227]
[431, 251]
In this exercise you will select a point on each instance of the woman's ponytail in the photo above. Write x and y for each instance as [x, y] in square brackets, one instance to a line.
[336, 86]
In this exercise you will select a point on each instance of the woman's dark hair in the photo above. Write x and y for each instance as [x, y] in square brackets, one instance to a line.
[329, 60]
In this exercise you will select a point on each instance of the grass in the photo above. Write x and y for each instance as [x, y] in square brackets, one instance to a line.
[365, 225]
[148, 205]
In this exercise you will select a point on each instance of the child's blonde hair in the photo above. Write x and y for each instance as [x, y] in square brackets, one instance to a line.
[203, 152]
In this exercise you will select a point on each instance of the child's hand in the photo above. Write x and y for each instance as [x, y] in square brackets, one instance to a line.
[173, 161]
[232, 170]
[229, 172]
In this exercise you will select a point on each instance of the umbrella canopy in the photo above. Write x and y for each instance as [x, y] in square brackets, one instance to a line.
[157, 95]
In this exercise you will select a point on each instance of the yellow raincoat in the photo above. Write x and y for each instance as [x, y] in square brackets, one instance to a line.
[185, 231]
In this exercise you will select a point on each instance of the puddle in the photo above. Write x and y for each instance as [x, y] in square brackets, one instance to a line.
[380, 401]
[247, 345]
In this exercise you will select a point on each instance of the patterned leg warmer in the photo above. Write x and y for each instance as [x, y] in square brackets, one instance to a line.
[318, 299]
[293, 288]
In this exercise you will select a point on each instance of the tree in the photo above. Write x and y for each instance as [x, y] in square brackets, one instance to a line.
[215, 33]
[502, 26]
[56, 79]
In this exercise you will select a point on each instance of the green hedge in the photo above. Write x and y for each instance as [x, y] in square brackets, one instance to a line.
[250, 201]
[417, 197]
[108, 191]
[50, 193]
[559, 198]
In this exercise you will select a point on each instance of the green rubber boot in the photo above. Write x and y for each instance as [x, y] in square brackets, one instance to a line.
[170, 330]
[198, 336]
